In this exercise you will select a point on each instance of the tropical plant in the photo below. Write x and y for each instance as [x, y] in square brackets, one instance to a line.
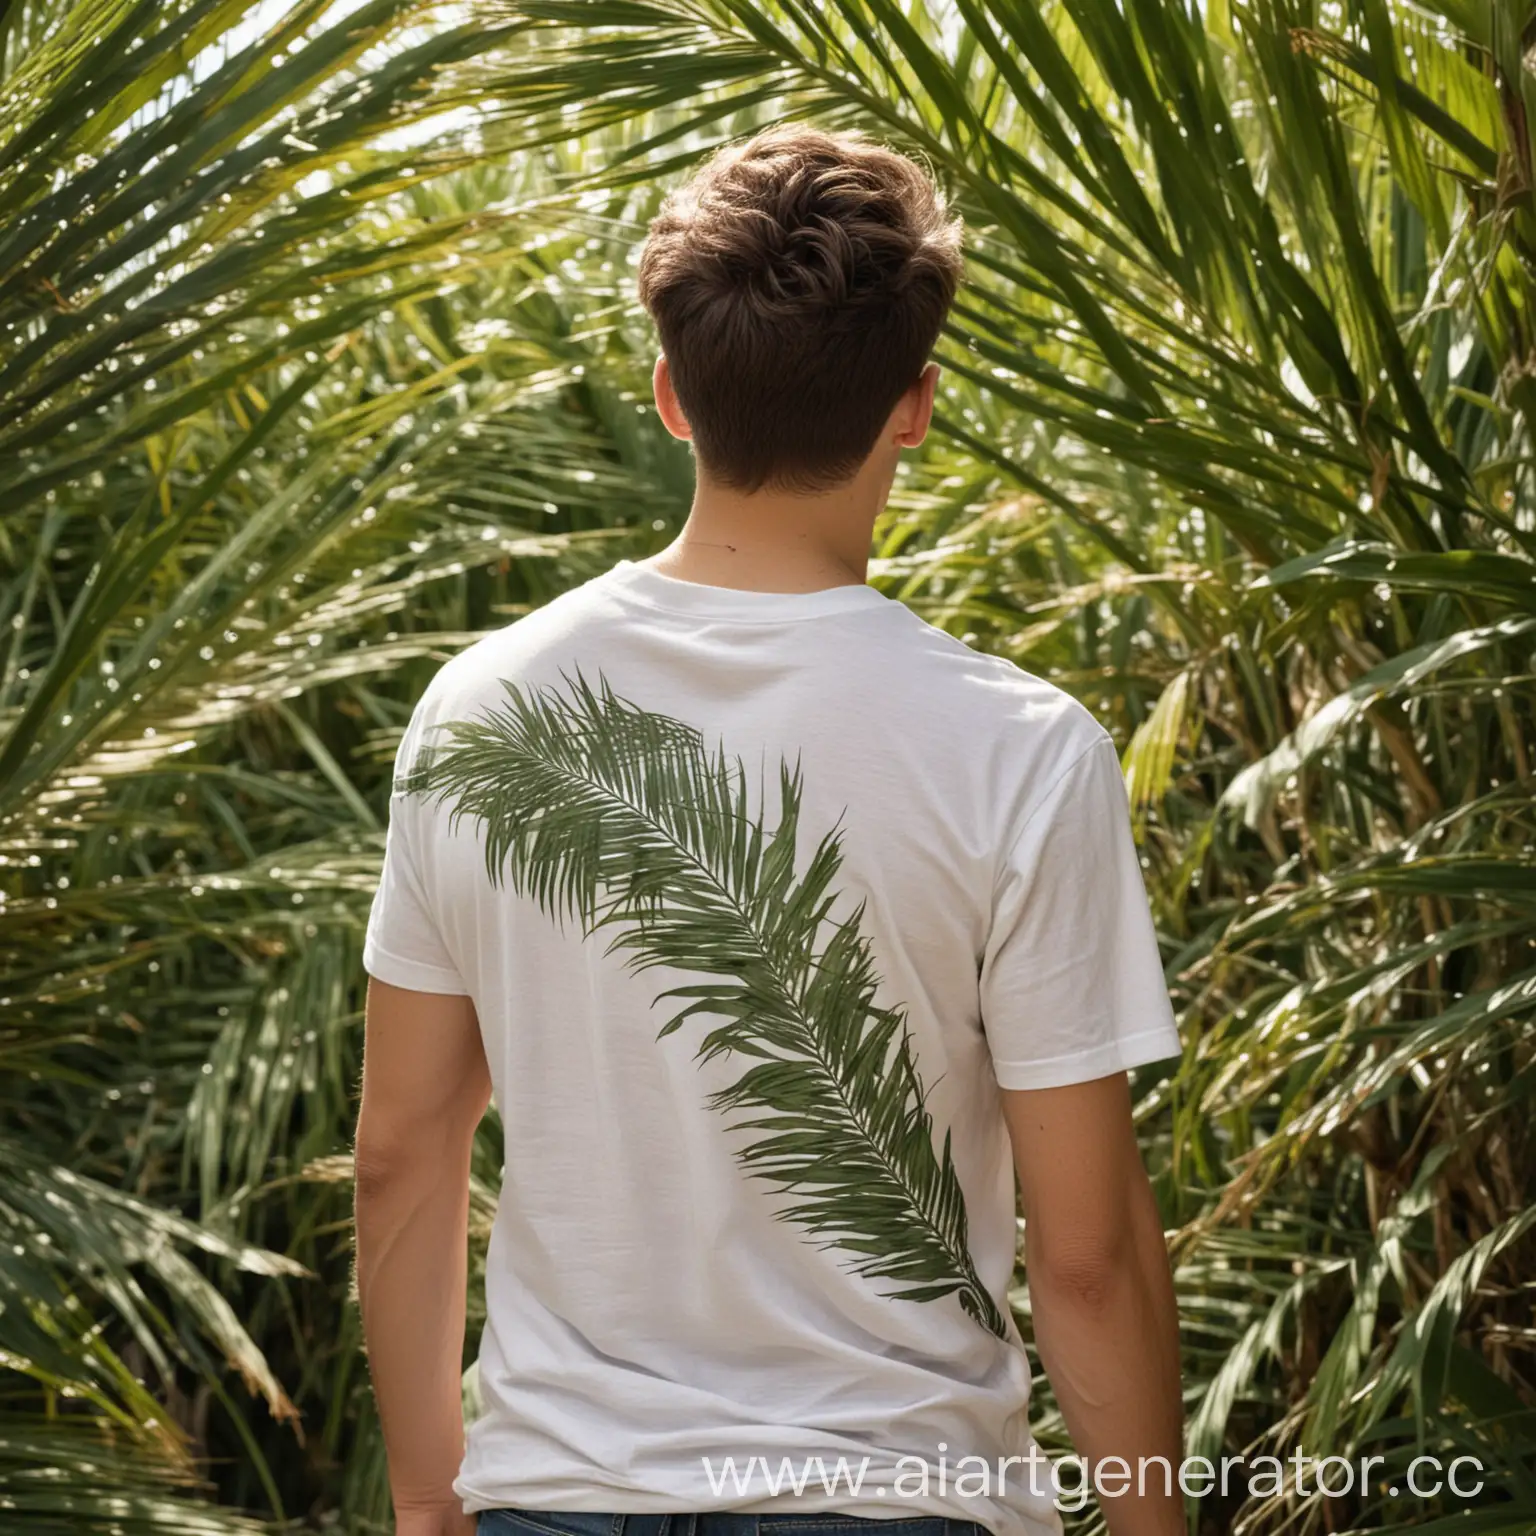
[318, 355]
[287, 412]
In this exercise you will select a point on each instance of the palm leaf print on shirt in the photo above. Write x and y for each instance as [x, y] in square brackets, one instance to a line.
[623, 820]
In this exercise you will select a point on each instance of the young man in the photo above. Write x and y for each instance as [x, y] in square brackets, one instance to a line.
[775, 919]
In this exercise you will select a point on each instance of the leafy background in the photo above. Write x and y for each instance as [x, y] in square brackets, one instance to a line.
[319, 355]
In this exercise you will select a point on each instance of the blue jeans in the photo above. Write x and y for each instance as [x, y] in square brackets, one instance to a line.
[520, 1522]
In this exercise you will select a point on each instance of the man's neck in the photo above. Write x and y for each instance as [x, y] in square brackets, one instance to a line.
[775, 541]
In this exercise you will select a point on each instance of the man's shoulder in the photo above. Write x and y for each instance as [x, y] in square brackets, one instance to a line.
[483, 668]
[988, 696]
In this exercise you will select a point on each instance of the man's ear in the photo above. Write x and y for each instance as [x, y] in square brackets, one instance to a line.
[667, 406]
[914, 410]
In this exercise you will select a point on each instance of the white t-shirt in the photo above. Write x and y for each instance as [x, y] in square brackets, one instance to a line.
[867, 875]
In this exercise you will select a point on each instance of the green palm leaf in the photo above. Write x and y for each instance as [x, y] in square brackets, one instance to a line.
[625, 821]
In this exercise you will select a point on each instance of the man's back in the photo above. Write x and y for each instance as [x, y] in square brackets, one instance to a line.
[775, 919]
[759, 897]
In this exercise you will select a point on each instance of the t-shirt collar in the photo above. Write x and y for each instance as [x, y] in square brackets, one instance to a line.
[649, 586]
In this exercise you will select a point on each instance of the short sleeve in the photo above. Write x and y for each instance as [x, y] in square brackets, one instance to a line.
[1072, 984]
[404, 945]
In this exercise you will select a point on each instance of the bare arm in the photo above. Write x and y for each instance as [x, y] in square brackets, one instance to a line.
[1106, 1324]
[425, 1087]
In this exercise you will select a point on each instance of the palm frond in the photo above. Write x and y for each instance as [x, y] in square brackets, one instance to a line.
[623, 820]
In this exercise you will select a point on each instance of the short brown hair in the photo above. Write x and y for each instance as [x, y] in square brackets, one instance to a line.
[798, 282]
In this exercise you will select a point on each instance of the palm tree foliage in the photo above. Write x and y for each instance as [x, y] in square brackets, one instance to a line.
[624, 820]
[318, 355]
[265, 462]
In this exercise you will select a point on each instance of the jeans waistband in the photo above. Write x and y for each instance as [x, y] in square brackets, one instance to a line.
[520, 1522]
